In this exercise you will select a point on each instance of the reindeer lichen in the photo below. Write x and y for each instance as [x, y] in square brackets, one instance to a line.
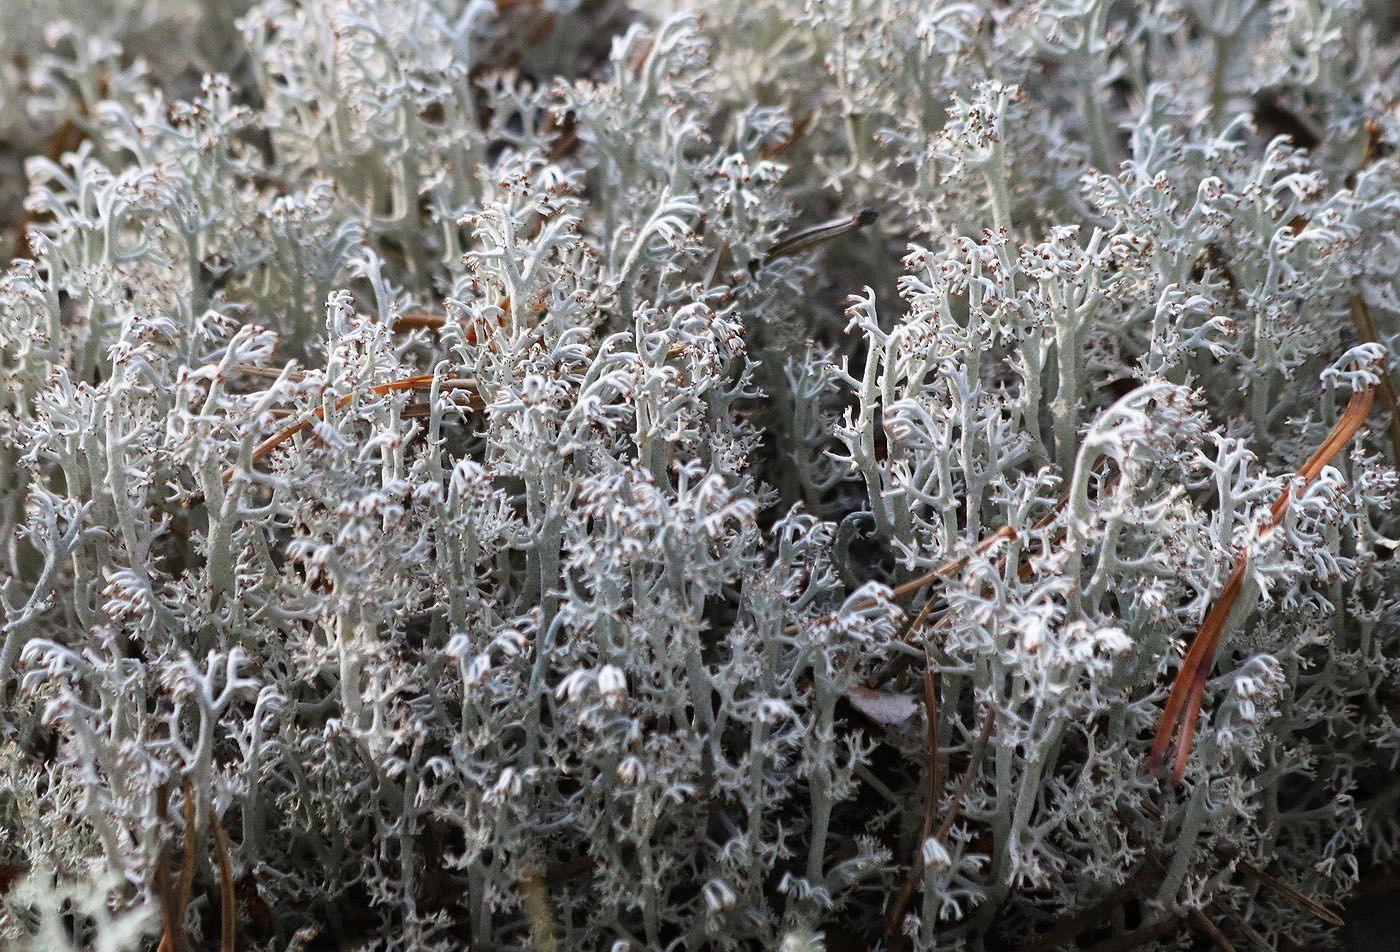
[550, 474]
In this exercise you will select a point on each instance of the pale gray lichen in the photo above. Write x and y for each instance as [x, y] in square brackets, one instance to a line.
[618, 572]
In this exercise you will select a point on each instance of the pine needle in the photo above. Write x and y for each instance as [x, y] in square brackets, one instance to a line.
[1183, 706]
[1366, 331]
[1297, 896]
[418, 382]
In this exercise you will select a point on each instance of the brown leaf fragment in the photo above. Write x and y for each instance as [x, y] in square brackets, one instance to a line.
[883, 707]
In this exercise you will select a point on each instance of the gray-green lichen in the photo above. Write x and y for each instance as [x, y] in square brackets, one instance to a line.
[627, 586]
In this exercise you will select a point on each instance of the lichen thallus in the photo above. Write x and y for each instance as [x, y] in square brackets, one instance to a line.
[417, 382]
[793, 243]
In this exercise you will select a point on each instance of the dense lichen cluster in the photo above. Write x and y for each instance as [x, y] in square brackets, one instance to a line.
[472, 476]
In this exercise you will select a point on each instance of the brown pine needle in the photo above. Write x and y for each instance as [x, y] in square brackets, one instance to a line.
[174, 899]
[908, 588]
[898, 663]
[953, 567]
[266, 373]
[170, 939]
[265, 448]
[429, 320]
[935, 780]
[1249, 932]
[799, 129]
[1366, 331]
[228, 911]
[1188, 690]
[1299, 897]
[1212, 931]
[419, 382]
[186, 890]
[1003, 532]
[979, 747]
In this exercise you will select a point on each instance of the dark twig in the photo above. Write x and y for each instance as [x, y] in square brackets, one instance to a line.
[1082, 921]
[228, 909]
[893, 936]
[1202, 923]
[1302, 899]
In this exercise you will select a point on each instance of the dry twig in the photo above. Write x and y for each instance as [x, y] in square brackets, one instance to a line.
[228, 910]
[1302, 899]
[893, 936]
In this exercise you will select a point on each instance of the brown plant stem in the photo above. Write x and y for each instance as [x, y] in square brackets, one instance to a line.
[228, 910]
[187, 866]
[893, 936]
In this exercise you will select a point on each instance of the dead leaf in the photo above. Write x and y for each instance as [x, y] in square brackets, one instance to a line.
[883, 707]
